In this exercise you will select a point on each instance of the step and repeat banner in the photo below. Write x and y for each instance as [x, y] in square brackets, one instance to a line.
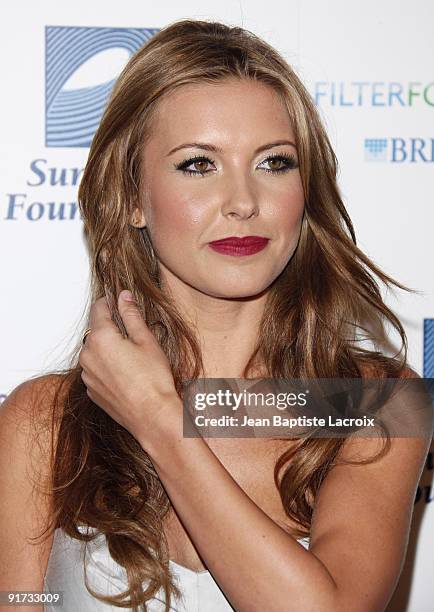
[369, 67]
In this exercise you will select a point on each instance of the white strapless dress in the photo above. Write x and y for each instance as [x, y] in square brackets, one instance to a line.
[65, 573]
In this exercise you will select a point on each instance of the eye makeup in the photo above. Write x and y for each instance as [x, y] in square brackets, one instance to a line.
[287, 159]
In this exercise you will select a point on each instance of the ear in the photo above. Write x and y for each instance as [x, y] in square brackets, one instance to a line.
[138, 218]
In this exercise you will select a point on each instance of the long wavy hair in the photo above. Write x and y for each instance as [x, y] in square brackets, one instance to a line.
[324, 318]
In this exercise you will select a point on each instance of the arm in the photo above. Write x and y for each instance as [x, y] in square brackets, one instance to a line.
[23, 510]
[359, 531]
[362, 516]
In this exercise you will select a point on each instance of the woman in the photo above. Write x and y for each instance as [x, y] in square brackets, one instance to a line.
[209, 134]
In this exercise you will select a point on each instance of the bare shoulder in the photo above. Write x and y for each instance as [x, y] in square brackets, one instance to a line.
[31, 395]
[25, 442]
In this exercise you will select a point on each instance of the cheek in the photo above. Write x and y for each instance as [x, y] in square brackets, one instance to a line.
[173, 214]
[288, 208]
[176, 212]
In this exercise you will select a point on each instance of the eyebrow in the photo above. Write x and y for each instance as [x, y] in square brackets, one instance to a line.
[211, 147]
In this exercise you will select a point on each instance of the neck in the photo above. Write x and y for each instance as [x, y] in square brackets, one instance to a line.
[227, 328]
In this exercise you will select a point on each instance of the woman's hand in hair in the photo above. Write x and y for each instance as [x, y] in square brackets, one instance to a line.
[130, 378]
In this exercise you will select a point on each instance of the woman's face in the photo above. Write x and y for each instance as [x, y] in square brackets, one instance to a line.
[239, 184]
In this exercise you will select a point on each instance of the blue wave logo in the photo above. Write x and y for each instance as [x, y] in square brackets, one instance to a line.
[81, 66]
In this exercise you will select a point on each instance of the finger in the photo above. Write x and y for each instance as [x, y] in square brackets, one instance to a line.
[99, 316]
[131, 316]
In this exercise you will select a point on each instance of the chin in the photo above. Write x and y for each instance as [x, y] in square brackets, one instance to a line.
[226, 290]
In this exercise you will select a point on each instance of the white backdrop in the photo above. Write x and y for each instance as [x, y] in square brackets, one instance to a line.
[369, 66]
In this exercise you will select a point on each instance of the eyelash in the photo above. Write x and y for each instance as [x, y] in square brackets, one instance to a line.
[288, 158]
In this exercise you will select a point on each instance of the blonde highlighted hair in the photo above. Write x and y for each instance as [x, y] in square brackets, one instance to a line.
[319, 308]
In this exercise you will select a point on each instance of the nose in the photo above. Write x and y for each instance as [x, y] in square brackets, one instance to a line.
[240, 199]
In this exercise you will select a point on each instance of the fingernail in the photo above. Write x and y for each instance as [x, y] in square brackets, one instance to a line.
[127, 295]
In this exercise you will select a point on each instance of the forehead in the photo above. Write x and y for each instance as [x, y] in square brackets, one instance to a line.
[234, 112]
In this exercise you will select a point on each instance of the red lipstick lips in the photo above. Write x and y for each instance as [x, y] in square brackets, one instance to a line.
[247, 245]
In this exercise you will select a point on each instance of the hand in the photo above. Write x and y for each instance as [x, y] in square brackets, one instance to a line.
[130, 378]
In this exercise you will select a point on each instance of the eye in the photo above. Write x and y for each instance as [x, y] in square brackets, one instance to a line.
[199, 162]
[280, 163]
